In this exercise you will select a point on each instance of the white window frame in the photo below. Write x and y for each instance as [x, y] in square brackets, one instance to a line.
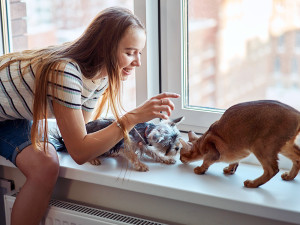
[5, 44]
[147, 76]
[173, 65]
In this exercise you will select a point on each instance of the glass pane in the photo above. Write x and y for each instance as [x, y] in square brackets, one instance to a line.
[241, 50]
[40, 23]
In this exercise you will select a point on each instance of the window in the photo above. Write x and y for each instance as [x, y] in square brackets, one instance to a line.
[40, 23]
[218, 53]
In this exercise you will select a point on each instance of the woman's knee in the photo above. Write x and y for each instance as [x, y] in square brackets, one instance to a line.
[49, 163]
[42, 166]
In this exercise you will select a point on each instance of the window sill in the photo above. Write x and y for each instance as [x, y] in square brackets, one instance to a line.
[277, 200]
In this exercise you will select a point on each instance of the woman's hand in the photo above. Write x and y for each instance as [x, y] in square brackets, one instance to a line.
[152, 108]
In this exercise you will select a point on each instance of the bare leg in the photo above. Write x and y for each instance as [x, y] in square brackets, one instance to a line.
[41, 172]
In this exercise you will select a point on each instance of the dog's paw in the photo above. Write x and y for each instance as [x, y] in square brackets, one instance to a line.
[250, 184]
[95, 162]
[199, 170]
[169, 161]
[141, 167]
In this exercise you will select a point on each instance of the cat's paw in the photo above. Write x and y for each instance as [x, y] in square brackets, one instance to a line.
[250, 184]
[199, 170]
[229, 170]
[141, 167]
[287, 176]
[95, 162]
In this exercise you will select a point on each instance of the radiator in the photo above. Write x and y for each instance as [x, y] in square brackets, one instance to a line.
[67, 213]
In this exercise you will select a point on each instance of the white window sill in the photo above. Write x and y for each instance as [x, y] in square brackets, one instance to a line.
[277, 200]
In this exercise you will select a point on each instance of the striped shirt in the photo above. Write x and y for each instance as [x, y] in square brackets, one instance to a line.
[73, 91]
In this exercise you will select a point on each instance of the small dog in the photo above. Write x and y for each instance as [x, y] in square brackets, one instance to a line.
[264, 128]
[160, 142]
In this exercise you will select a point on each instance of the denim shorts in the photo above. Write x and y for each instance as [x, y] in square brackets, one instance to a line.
[14, 137]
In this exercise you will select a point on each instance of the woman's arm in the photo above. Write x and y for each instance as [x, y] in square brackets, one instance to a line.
[87, 116]
[83, 147]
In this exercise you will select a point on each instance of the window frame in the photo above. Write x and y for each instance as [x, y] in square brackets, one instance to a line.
[5, 43]
[174, 65]
[148, 75]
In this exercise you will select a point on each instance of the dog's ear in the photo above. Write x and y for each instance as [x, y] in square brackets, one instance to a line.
[176, 121]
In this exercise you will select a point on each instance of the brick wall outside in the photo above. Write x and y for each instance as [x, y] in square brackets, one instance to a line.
[18, 25]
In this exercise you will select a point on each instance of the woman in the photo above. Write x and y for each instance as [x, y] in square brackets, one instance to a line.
[65, 82]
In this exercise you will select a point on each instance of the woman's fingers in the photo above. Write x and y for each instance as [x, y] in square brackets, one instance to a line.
[163, 99]
[166, 109]
[166, 95]
[162, 116]
[159, 106]
[166, 102]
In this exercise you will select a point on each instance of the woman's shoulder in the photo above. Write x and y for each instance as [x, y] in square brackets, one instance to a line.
[71, 70]
[72, 66]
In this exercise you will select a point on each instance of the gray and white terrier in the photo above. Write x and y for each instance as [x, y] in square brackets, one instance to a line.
[158, 141]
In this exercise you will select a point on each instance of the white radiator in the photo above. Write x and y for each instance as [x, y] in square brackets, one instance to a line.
[67, 213]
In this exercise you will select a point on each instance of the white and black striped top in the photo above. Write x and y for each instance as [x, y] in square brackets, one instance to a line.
[73, 89]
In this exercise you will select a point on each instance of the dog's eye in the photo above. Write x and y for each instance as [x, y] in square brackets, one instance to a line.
[177, 148]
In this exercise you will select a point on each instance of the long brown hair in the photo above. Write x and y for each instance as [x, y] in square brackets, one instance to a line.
[94, 50]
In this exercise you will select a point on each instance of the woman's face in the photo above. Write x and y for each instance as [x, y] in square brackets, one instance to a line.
[129, 51]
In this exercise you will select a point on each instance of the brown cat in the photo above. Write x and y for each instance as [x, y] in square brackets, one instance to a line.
[264, 128]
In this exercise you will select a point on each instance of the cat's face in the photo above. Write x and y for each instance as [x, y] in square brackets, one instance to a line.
[190, 150]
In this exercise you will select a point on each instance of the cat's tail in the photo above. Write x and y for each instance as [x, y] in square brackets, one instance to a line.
[56, 139]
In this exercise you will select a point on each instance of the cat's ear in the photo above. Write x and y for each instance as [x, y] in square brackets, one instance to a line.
[192, 136]
[186, 146]
[176, 121]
